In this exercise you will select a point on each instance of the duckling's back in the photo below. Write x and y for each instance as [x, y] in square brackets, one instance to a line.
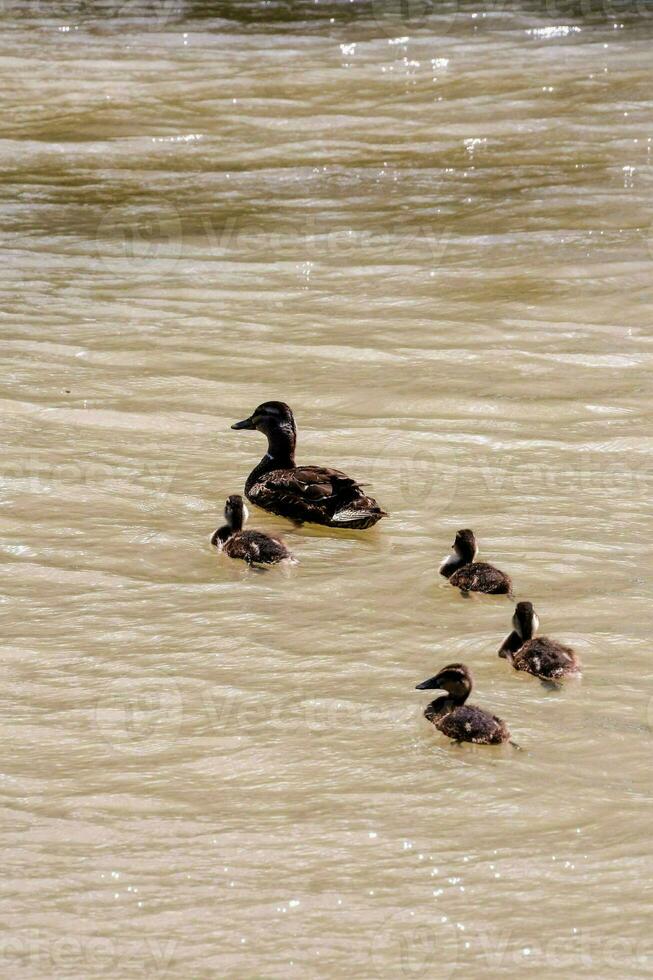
[478, 576]
[467, 723]
[255, 547]
[546, 658]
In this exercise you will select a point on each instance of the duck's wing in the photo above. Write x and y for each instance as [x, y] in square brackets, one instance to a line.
[478, 576]
[314, 493]
[471, 724]
[546, 658]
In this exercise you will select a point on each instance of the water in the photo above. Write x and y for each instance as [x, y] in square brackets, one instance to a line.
[430, 233]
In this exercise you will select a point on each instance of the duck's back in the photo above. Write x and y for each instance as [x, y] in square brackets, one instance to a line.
[545, 658]
[467, 723]
[316, 494]
[256, 547]
[478, 576]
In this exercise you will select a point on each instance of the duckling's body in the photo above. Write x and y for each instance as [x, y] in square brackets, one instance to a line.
[253, 547]
[469, 575]
[537, 655]
[468, 723]
[316, 494]
[453, 717]
[478, 576]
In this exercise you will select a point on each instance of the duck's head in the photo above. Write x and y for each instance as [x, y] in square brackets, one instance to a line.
[269, 417]
[235, 512]
[464, 551]
[525, 620]
[465, 545]
[455, 679]
[524, 627]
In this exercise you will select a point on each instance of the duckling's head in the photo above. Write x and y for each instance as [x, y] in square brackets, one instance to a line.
[269, 417]
[465, 545]
[525, 620]
[235, 512]
[465, 551]
[456, 680]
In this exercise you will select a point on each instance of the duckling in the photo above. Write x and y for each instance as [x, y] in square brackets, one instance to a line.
[469, 575]
[457, 720]
[540, 656]
[254, 547]
[302, 493]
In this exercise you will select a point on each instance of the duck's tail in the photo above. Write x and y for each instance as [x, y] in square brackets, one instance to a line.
[361, 513]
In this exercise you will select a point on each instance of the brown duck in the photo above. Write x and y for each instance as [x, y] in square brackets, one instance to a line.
[469, 575]
[254, 547]
[453, 717]
[302, 493]
[537, 655]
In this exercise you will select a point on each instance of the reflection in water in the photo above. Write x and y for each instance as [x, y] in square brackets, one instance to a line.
[427, 228]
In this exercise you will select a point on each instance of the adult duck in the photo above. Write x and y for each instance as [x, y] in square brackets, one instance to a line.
[315, 494]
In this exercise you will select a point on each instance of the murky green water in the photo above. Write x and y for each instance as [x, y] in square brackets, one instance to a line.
[429, 230]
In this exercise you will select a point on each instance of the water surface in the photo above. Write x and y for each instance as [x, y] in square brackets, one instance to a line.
[430, 233]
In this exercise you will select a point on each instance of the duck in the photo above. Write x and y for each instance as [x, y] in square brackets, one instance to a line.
[314, 494]
[469, 575]
[253, 547]
[539, 656]
[453, 717]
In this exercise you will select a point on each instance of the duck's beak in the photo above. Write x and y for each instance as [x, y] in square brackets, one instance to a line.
[245, 424]
[431, 684]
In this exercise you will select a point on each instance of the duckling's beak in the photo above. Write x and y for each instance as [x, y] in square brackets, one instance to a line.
[245, 424]
[430, 684]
